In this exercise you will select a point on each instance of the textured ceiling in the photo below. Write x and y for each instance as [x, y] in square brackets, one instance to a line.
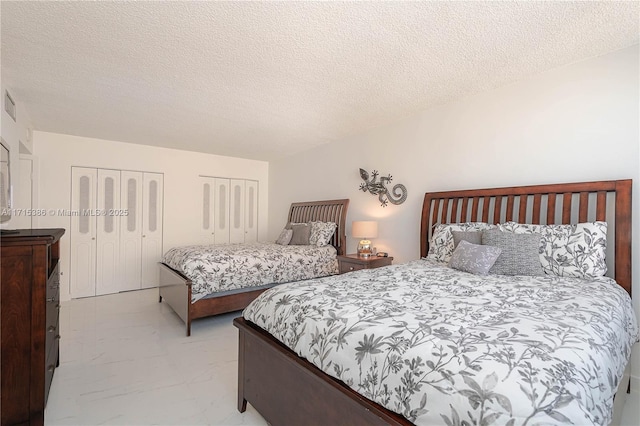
[263, 80]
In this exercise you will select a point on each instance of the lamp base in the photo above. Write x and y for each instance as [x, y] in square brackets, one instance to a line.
[364, 249]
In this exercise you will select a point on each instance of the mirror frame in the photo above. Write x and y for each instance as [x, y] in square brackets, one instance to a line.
[5, 210]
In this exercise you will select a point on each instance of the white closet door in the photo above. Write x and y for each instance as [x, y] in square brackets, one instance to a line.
[221, 211]
[108, 232]
[236, 211]
[251, 211]
[151, 229]
[207, 224]
[131, 230]
[83, 232]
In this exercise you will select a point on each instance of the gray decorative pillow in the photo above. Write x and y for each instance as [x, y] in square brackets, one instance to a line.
[285, 237]
[474, 258]
[520, 252]
[473, 237]
[321, 233]
[441, 245]
[301, 233]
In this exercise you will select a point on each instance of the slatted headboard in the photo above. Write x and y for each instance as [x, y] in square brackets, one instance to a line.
[608, 201]
[324, 211]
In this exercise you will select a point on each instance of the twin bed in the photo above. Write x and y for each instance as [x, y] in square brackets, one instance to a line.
[201, 281]
[423, 343]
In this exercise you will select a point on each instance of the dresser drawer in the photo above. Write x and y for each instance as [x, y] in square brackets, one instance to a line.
[52, 331]
[50, 366]
[53, 282]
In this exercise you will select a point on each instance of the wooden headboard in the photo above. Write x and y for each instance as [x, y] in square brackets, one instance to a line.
[324, 211]
[566, 203]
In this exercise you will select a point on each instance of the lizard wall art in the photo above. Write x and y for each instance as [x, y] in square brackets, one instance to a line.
[378, 187]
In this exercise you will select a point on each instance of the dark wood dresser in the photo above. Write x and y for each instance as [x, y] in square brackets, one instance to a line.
[29, 313]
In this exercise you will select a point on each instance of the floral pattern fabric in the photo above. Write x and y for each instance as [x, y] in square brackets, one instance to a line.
[321, 233]
[577, 250]
[442, 244]
[217, 268]
[474, 258]
[440, 346]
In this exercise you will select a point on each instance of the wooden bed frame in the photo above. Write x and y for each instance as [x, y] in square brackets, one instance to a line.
[175, 288]
[286, 389]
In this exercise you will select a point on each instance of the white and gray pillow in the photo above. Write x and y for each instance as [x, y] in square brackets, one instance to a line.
[442, 245]
[321, 233]
[474, 258]
[519, 254]
[577, 250]
[285, 237]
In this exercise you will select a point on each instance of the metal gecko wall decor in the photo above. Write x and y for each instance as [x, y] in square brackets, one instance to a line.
[397, 196]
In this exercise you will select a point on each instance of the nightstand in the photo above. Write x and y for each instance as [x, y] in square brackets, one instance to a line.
[353, 262]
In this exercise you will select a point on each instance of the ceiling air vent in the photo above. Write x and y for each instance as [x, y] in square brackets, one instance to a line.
[9, 105]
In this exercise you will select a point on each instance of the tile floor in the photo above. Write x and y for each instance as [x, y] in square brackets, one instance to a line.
[125, 360]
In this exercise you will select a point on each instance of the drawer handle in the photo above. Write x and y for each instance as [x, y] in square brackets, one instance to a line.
[351, 268]
[51, 328]
[51, 299]
[51, 367]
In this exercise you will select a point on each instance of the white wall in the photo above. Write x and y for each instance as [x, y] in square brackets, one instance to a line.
[182, 190]
[15, 133]
[575, 123]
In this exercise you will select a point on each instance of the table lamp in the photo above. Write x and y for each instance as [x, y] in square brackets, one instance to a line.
[365, 229]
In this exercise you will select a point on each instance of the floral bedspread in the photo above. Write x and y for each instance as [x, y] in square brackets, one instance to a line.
[440, 346]
[216, 268]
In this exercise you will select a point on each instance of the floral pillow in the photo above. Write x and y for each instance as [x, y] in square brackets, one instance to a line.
[442, 244]
[285, 237]
[321, 233]
[577, 250]
[474, 258]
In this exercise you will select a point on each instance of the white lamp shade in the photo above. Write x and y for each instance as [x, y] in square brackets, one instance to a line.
[364, 229]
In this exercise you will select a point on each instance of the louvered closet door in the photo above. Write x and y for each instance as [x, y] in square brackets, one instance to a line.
[108, 233]
[83, 232]
[221, 211]
[236, 212]
[207, 225]
[131, 230]
[152, 195]
[251, 211]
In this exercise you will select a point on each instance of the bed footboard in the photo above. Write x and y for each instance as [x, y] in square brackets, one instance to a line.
[286, 389]
[175, 290]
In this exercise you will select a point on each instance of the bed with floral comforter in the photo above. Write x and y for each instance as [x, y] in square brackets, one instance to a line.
[440, 346]
[221, 268]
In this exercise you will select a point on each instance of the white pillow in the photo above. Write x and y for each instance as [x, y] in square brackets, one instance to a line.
[442, 244]
[577, 250]
[321, 233]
